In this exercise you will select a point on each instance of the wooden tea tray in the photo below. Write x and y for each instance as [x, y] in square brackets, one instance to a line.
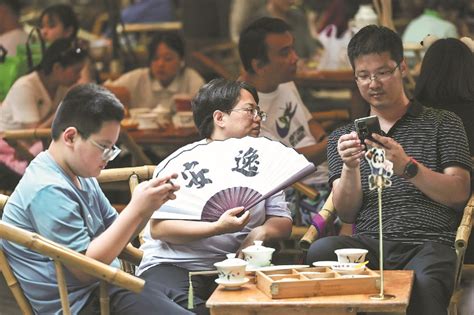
[315, 281]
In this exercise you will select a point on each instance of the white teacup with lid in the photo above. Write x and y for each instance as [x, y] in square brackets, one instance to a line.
[163, 115]
[231, 270]
[258, 255]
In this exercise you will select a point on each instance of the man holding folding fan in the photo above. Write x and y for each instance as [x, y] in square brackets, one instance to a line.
[173, 247]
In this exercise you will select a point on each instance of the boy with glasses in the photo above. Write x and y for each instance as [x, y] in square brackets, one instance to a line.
[60, 199]
[430, 185]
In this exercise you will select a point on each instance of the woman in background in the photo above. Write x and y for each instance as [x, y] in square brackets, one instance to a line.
[33, 99]
[446, 81]
[166, 75]
[58, 21]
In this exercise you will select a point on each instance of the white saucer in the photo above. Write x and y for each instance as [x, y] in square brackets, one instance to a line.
[324, 263]
[233, 285]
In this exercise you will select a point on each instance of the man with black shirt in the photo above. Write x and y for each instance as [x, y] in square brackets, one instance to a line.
[430, 185]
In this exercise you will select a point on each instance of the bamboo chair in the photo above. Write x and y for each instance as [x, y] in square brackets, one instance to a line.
[133, 175]
[328, 213]
[16, 138]
[63, 255]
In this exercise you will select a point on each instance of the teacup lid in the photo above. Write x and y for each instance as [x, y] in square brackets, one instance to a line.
[257, 248]
[231, 261]
[161, 109]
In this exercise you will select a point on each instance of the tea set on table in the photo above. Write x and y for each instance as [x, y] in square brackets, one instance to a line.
[162, 117]
[233, 271]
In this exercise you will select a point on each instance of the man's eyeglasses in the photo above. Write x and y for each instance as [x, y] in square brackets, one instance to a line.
[255, 112]
[108, 154]
[381, 75]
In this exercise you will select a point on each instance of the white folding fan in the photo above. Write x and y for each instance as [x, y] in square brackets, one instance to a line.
[221, 175]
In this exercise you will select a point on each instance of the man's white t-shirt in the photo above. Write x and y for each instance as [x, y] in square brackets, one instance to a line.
[28, 102]
[287, 121]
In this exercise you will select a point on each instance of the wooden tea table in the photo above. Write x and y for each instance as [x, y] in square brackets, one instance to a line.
[250, 300]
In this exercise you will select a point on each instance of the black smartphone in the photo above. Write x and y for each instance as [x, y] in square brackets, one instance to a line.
[366, 126]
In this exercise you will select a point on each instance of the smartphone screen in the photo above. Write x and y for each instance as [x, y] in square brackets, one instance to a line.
[366, 126]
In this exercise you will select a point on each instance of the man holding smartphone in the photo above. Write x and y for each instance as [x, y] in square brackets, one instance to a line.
[430, 185]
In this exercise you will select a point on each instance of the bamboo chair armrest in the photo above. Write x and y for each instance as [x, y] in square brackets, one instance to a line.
[306, 190]
[132, 254]
[27, 134]
[3, 201]
[70, 257]
[327, 213]
[124, 173]
[465, 227]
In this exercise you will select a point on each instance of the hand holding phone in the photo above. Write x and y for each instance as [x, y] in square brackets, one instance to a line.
[366, 126]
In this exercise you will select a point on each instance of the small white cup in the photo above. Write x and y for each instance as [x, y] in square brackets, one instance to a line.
[183, 120]
[147, 121]
[351, 255]
[232, 269]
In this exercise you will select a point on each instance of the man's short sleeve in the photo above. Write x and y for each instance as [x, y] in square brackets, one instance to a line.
[277, 206]
[57, 217]
[452, 142]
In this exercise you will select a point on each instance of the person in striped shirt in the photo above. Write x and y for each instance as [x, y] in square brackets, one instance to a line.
[430, 185]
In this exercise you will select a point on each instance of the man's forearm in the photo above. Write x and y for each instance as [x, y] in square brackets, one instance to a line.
[182, 232]
[347, 194]
[450, 188]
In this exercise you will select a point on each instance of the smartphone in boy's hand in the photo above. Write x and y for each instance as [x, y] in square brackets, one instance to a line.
[366, 126]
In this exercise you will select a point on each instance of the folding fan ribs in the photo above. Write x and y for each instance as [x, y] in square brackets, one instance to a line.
[227, 199]
[221, 175]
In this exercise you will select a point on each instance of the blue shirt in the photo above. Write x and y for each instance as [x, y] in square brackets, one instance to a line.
[48, 203]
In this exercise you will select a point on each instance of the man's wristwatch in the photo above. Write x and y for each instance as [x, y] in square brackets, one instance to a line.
[411, 169]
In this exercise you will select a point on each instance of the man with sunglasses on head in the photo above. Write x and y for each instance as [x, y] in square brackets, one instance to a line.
[60, 199]
[269, 58]
[430, 186]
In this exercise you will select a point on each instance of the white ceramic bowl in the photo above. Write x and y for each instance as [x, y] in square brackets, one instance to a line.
[258, 255]
[147, 121]
[183, 120]
[351, 255]
[231, 270]
[348, 268]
